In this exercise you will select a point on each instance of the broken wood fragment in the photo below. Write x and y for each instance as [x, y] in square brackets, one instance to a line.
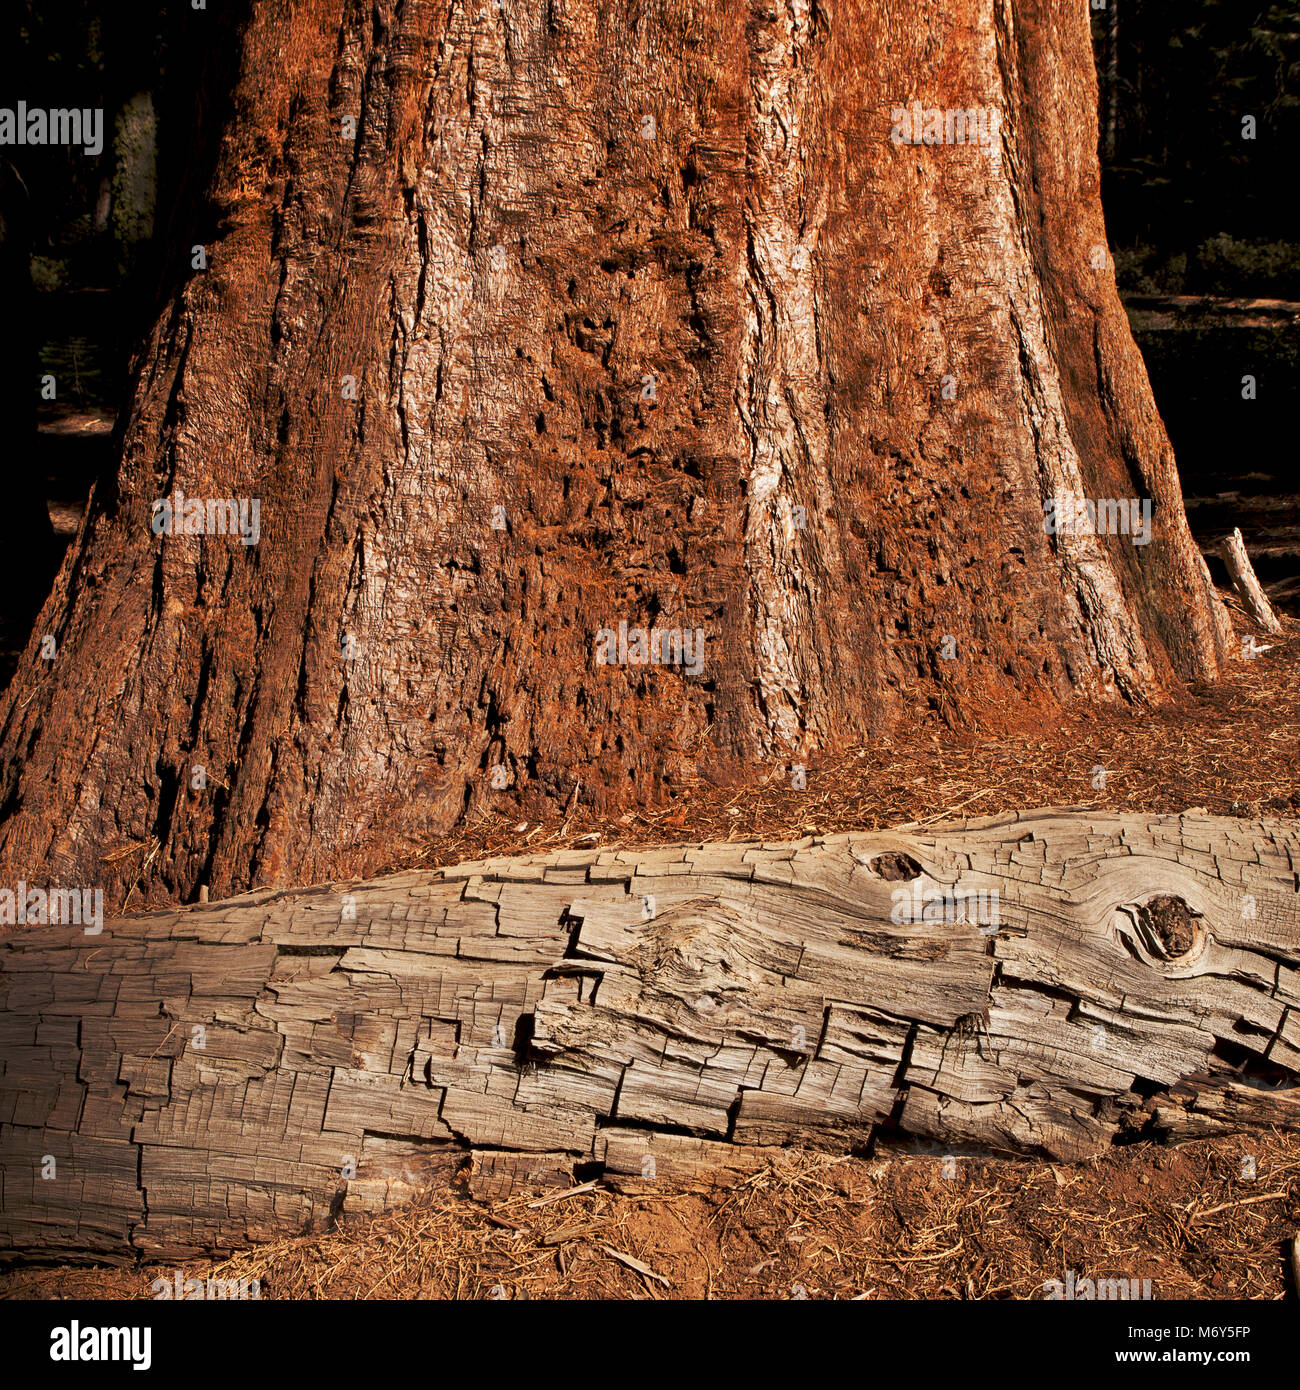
[1242, 573]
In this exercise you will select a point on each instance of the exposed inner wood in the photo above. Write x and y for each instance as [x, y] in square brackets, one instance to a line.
[1048, 983]
[1242, 574]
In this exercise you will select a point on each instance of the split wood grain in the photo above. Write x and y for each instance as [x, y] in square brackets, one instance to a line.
[233, 1072]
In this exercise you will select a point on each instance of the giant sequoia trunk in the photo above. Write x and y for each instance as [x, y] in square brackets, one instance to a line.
[528, 319]
[1044, 982]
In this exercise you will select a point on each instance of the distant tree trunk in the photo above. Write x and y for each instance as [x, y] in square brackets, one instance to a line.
[650, 321]
[29, 556]
[1111, 136]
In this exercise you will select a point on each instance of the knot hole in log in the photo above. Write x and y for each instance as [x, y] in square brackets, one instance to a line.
[1163, 932]
[895, 867]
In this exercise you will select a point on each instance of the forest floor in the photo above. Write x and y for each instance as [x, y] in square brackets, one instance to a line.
[1209, 1219]
[1191, 1219]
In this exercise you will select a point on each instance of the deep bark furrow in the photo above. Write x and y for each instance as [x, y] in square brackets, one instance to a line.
[650, 320]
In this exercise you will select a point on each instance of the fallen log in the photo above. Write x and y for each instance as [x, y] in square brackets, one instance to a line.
[1045, 983]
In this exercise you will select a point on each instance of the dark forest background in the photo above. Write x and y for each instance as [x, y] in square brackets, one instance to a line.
[1205, 242]
[1192, 207]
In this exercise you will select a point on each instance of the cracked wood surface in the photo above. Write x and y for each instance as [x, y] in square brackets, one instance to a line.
[236, 1071]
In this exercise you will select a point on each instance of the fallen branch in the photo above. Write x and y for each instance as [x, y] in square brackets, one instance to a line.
[632, 1263]
[1241, 1202]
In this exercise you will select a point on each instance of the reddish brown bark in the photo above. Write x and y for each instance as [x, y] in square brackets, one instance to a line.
[507, 265]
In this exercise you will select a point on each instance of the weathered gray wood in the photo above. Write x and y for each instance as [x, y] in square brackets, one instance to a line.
[1242, 573]
[238, 1070]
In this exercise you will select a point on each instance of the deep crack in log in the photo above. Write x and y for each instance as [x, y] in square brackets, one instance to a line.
[1048, 983]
